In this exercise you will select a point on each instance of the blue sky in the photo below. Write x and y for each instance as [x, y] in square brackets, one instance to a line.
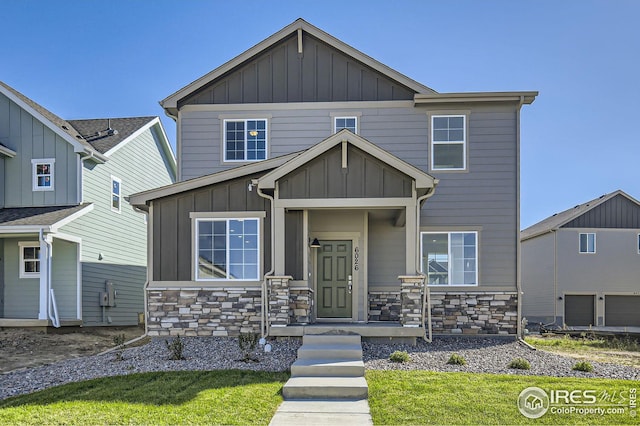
[86, 59]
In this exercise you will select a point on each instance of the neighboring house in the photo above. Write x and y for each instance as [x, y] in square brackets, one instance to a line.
[581, 267]
[317, 185]
[72, 249]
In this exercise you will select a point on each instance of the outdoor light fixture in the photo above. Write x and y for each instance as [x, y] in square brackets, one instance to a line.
[315, 243]
[560, 298]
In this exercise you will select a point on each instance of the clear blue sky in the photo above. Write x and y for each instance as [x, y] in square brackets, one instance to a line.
[579, 140]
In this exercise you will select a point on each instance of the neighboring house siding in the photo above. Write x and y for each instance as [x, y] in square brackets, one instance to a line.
[119, 237]
[614, 267]
[618, 212]
[21, 294]
[31, 139]
[64, 273]
[2, 185]
[280, 74]
[172, 226]
[539, 298]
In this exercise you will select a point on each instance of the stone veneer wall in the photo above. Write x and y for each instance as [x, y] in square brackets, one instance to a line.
[300, 305]
[474, 312]
[204, 312]
[384, 306]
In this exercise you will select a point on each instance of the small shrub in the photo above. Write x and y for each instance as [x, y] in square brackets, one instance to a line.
[520, 364]
[583, 366]
[119, 340]
[175, 349]
[456, 359]
[247, 343]
[400, 356]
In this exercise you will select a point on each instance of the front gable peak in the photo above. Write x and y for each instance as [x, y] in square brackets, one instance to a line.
[299, 63]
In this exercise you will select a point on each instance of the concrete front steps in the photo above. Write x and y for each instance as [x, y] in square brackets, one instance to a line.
[329, 367]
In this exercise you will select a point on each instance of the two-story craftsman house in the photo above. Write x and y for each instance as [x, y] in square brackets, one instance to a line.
[319, 187]
[72, 249]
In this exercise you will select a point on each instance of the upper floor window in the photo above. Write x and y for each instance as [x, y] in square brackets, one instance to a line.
[448, 142]
[42, 171]
[245, 140]
[349, 123]
[450, 258]
[29, 259]
[638, 244]
[116, 194]
[587, 243]
[227, 249]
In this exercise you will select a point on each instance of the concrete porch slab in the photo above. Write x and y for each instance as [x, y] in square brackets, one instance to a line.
[371, 329]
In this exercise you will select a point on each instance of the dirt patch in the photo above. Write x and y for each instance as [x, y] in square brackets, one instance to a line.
[25, 348]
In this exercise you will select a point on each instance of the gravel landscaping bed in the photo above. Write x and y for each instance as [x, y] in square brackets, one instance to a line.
[483, 355]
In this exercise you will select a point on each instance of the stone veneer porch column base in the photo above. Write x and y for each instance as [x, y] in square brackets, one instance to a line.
[411, 300]
[474, 312]
[278, 291]
[204, 311]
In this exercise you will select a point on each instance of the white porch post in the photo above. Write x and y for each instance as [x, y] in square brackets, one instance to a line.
[278, 235]
[411, 232]
[44, 273]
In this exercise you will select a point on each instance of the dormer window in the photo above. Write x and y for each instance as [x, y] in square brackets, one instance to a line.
[245, 140]
[43, 174]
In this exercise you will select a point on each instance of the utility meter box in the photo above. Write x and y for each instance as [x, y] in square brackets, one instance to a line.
[108, 297]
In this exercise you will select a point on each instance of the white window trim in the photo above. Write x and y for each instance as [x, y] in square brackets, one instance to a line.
[594, 243]
[115, 179]
[22, 245]
[449, 256]
[638, 243]
[34, 177]
[464, 143]
[224, 139]
[196, 239]
[336, 118]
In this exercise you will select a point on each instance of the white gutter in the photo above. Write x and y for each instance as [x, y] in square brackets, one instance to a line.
[264, 318]
[426, 296]
[519, 331]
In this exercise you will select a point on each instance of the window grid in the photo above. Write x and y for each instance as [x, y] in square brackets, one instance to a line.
[245, 140]
[349, 123]
[587, 242]
[450, 258]
[227, 249]
[116, 194]
[29, 260]
[43, 174]
[448, 142]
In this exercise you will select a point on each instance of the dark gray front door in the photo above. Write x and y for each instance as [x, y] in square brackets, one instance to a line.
[335, 278]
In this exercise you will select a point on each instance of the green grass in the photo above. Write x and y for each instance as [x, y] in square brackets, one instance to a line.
[585, 342]
[193, 397]
[422, 397]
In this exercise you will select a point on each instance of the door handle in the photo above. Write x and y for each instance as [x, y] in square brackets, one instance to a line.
[350, 283]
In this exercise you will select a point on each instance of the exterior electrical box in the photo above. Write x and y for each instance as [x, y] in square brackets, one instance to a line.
[108, 297]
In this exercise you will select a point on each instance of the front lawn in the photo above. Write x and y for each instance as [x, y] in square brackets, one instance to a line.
[624, 350]
[422, 397]
[192, 397]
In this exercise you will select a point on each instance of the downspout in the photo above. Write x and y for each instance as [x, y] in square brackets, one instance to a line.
[52, 317]
[265, 302]
[426, 297]
[519, 331]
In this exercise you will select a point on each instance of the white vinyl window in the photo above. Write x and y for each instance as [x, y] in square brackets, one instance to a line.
[116, 194]
[450, 258]
[448, 142]
[29, 259]
[43, 174]
[245, 140]
[638, 244]
[587, 243]
[227, 249]
[349, 123]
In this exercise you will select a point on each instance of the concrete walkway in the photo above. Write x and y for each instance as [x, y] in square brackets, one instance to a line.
[327, 384]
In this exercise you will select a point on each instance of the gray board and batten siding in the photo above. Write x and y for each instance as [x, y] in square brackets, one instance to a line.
[280, 74]
[618, 212]
[31, 139]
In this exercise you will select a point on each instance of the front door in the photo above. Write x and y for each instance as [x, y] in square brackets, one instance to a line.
[335, 279]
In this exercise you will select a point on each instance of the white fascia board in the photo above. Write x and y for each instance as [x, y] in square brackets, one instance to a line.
[466, 97]
[24, 229]
[6, 151]
[71, 218]
[171, 102]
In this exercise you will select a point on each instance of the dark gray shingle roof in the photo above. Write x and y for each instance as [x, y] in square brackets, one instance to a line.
[37, 216]
[96, 131]
[559, 219]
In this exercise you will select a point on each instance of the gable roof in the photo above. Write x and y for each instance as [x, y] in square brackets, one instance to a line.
[103, 134]
[32, 219]
[558, 220]
[170, 103]
[423, 180]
